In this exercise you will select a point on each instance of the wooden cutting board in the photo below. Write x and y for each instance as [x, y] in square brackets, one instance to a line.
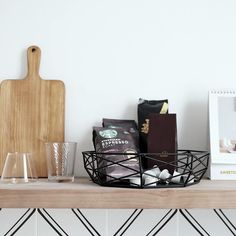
[31, 113]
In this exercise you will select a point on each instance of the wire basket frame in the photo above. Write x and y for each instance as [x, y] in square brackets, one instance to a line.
[189, 165]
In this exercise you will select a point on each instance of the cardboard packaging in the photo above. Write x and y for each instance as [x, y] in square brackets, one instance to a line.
[162, 139]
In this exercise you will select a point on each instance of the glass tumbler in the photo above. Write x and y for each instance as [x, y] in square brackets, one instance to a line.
[60, 161]
[19, 167]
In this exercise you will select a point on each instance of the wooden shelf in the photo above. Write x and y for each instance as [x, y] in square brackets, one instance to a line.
[85, 194]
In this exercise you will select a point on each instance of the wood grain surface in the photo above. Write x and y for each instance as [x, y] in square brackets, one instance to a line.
[83, 193]
[32, 113]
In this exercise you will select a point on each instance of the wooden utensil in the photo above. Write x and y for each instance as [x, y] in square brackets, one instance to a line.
[32, 113]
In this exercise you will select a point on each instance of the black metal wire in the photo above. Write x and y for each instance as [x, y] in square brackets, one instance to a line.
[189, 163]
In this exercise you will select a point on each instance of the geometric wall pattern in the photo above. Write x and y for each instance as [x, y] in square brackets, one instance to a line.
[117, 222]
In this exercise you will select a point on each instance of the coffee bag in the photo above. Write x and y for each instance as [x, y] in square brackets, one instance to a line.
[116, 148]
[145, 108]
[128, 125]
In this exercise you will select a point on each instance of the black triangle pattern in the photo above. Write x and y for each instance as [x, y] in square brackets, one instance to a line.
[124, 227]
[162, 222]
[52, 222]
[226, 221]
[85, 222]
[20, 222]
[193, 222]
[220, 214]
[122, 230]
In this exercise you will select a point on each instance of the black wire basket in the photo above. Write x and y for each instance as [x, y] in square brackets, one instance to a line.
[126, 169]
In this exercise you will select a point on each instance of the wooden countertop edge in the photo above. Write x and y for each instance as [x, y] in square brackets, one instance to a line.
[84, 194]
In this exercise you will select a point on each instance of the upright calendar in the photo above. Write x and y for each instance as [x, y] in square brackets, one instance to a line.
[222, 124]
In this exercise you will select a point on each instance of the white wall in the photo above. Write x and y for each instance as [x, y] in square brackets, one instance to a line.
[110, 53]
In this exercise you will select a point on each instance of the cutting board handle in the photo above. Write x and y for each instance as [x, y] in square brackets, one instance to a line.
[33, 57]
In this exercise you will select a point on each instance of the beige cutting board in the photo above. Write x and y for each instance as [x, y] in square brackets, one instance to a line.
[31, 113]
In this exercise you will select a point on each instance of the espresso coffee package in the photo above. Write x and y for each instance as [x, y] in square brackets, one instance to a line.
[162, 139]
[145, 108]
[115, 140]
[128, 125]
